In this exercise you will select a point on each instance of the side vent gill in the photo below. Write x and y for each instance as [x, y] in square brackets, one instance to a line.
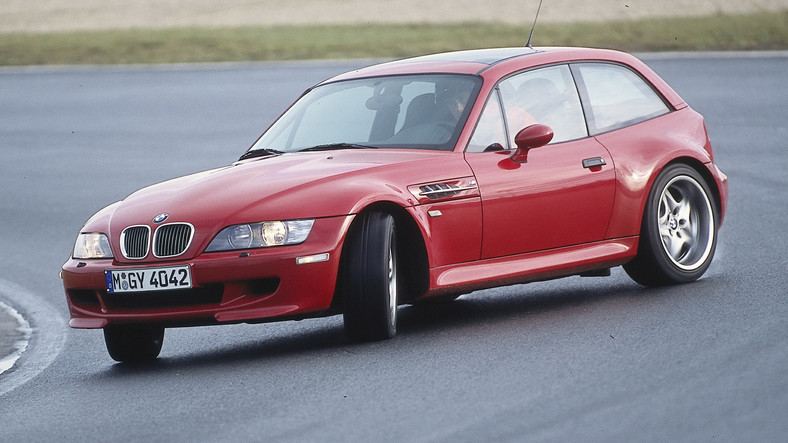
[446, 189]
[440, 190]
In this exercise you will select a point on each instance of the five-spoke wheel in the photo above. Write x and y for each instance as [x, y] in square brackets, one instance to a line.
[686, 222]
[679, 230]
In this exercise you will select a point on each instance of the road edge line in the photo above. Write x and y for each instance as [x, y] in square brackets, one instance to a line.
[47, 335]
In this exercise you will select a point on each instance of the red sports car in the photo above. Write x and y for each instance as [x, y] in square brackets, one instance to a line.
[407, 181]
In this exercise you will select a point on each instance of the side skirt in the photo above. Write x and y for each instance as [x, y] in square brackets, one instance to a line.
[533, 266]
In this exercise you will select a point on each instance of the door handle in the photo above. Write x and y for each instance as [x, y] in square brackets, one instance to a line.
[594, 162]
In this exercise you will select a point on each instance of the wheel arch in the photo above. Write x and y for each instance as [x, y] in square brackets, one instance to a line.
[413, 260]
[651, 266]
[704, 172]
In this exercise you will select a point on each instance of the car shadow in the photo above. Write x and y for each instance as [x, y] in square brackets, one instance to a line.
[415, 323]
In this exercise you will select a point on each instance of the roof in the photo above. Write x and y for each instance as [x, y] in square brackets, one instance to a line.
[481, 56]
[470, 61]
[495, 63]
[462, 62]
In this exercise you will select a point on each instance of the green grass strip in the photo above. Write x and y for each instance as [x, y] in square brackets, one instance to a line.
[761, 31]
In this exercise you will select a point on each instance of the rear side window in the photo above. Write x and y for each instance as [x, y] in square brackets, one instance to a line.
[616, 97]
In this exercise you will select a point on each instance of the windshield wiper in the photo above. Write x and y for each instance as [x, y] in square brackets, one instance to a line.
[332, 146]
[259, 153]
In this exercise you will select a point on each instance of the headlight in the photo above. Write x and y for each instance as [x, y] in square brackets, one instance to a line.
[261, 235]
[92, 245]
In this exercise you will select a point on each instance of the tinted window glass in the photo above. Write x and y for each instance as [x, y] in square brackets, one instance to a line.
[325, 124]
[617, 97]
[490, 130]
[547, 96]
[409, 111]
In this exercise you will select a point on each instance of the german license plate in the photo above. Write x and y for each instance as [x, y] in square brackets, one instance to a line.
[149, 279]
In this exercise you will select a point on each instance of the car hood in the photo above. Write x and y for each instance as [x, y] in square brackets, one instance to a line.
[283, 187]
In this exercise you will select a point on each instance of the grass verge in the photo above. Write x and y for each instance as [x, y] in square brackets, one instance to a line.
[761, 31]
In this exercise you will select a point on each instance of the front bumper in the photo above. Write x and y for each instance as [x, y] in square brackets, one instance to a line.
[228, 287]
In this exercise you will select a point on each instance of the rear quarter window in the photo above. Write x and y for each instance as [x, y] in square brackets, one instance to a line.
[616, 97]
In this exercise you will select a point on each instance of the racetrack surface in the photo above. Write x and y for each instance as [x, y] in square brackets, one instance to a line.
[591, 359]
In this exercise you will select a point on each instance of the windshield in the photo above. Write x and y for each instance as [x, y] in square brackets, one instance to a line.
[406, 111]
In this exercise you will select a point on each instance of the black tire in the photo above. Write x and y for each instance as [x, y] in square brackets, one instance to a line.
[134, 343]
[678, 235]
[369, 279]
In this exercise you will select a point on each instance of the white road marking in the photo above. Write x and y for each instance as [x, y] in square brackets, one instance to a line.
[44, 329]
[19, 346]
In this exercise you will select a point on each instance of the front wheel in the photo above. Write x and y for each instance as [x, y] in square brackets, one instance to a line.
[133, 343]
[679, 230]
[369, 279]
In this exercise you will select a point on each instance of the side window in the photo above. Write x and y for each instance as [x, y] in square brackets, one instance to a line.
[547, 96]
[490, 129]
[617, 97]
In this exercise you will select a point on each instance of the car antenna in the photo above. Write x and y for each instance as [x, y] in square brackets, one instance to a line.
[531, 35]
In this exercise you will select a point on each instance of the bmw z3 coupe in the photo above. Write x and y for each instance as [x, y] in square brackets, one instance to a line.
[414, 180]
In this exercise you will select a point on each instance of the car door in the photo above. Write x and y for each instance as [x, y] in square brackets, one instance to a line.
[563, 194]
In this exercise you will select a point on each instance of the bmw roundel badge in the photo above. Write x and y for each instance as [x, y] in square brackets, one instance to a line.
[160, 218]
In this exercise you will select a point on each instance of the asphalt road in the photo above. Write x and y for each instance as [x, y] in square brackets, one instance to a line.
[578, 359]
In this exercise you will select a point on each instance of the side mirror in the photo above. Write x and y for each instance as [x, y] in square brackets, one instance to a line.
[533, 136]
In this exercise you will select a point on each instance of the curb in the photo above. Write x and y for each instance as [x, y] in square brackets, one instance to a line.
[43, 332]
[15, 333]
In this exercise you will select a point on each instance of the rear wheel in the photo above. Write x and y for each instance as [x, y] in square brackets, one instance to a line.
[369, 283]
[679, 230]
[133, 343]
